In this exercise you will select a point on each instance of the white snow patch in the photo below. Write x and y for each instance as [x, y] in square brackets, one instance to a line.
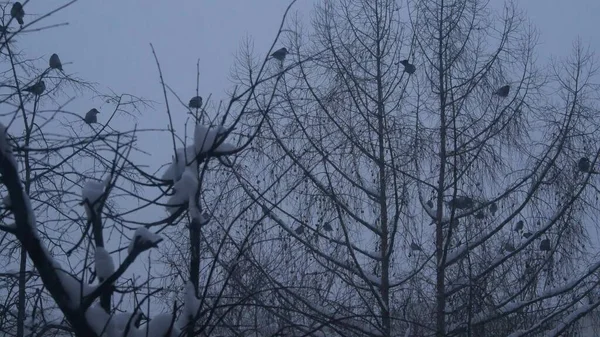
[225, 148]
[120, 321]
[145, 236]
[30, 214]
[185, 158]
[205, 136]
[73, 287]
[6, 148]
[191, 302]
[373, 279]
[90, 193]
[98, 320]
[158, 327]
[185, 191]
[104, 263]
[580, 312]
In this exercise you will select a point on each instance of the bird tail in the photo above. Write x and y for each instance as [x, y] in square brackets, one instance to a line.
[20, 21]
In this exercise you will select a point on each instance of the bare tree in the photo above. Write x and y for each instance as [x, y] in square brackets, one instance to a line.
[76, 193]
[430, 170]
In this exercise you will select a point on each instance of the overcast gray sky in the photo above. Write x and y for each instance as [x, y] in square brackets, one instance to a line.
[108, 41]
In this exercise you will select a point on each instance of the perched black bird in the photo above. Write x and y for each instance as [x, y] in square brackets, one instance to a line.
[493, 208]
[327, 227]
[503, 91]
[519, 226]
[17, 12]
[585, 165]
[195, 102]
[429, 203]
[280, 54]
[299, 230]
[509, 247]
[55, 62]
[36, 89]
[545, 245]
[408, 67]
[462, 202]
[90, 116]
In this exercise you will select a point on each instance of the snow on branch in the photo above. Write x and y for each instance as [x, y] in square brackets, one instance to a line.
[206, 139]
[143, 239]
[91, 193]
[104, 263]
[185, 191]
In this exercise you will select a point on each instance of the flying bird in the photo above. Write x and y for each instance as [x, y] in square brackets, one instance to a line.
[55, 62]
[17, 12]
[408, 67]
[90, 116]
[280, 54]
[503, 91]
[36, 89]
[195, 102]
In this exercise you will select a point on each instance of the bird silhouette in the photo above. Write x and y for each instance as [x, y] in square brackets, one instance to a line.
[408, 67]
[280, 54]
[519, 226]
[195, 102]
[585, 165]
[90, 116]
[545, 245]
[17, 12]
[493, 208]
[55, 62]
[461, 202]
[415, 246]
[503, 91]
[327, 227]
[36, 89]
[299, 230]
[509, 247]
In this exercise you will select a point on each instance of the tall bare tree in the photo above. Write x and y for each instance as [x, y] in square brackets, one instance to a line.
[430, 167]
